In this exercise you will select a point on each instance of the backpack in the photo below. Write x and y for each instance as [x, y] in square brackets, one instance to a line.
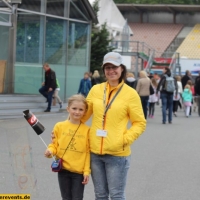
[169, 84]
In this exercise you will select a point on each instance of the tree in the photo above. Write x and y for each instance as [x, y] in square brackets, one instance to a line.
[99, 43]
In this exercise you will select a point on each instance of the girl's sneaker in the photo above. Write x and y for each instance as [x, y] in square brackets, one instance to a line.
[152, 116]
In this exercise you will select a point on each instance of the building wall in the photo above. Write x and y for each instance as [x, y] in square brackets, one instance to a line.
[162, 17]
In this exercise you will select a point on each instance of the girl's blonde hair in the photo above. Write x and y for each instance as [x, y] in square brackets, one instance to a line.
[77, 97]
[129, 74]
[187, 87]
[154, 82]
[95, 74]
[143, 74]
[178, 78]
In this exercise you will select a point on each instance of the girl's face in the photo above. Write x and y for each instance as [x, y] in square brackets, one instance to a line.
[112, 72]
[76, 111]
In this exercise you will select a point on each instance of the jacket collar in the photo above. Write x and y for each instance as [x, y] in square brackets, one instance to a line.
[109, 88]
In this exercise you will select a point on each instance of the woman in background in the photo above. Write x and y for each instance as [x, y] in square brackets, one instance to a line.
[142, 88]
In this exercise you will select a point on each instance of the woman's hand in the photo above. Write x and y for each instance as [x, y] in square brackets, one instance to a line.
[48, 153]
[85, 179]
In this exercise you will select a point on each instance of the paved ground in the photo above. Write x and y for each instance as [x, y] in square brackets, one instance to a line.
[165, 160]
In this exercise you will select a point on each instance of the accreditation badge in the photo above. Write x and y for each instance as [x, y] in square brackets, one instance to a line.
[102, 133]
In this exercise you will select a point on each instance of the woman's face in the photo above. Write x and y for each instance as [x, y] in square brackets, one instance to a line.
[164, 71]
[112, 72]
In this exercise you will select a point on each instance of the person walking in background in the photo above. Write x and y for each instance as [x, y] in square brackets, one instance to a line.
[71, 144]
[167, 86]
[153, 99]
[190, 83]
[55, 95]
[180, 90]
[176, 98]
[187, 99]
[143, 90]
[85, 85]
[130, 80]
[112, 104]
[95, 78]
[185, 78]
[197, 92]
[49, 85]
[194, 102]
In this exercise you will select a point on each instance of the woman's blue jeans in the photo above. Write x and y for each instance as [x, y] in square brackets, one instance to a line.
[167, 104]
[109, 175]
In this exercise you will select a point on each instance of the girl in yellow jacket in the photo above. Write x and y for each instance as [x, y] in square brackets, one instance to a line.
[71, 144]
[112, 104]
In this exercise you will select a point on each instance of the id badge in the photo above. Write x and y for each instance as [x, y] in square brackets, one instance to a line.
[102, 133]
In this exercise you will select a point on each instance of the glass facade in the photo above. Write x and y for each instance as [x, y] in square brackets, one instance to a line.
[53, 32]
[4, 41]
[29, 54]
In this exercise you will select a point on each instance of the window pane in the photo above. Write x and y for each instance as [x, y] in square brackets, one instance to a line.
[78, 55]
[55, 49]
[29, 54]
[78, 44]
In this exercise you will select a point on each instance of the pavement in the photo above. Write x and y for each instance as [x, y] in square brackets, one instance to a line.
[164, 164]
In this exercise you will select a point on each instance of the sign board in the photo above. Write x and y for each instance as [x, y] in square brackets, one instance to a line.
[193, 65]
[127, 61]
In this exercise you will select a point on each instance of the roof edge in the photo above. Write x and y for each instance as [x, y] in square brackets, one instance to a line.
[90, 11]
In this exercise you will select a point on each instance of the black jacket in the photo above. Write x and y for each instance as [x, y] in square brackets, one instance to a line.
[132, 84]
[161, 85]
[50, 79]
[184, 80]
[95, 81]
[197, 85]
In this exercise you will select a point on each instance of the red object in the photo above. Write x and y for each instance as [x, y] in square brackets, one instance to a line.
[159, 60]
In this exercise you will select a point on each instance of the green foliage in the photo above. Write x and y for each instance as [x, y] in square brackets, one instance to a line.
[99, 43]
[99, 47]
[194, 2]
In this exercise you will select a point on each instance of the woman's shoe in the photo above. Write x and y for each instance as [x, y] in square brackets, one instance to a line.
[175, 115]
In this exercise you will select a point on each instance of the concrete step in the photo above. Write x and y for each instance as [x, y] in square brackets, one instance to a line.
[21, 97]
[12, 106]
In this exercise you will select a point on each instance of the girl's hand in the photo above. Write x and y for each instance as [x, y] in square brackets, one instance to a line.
[52, 136]
[85, 180]
[48, 153]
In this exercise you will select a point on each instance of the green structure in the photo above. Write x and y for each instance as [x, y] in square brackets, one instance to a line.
[44, 31]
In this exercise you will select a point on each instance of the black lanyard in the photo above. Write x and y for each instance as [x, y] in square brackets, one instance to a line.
[108, 105]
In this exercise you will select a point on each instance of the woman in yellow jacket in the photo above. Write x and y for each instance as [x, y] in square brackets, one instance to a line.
[112, 104]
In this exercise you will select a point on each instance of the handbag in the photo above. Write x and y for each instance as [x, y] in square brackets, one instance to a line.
[56, 165]
[151, 90]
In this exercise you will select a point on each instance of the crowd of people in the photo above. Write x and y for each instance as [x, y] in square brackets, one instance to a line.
[104, 148]
[173, 91]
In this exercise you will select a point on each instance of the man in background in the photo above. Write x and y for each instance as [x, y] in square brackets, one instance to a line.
[49, 85]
